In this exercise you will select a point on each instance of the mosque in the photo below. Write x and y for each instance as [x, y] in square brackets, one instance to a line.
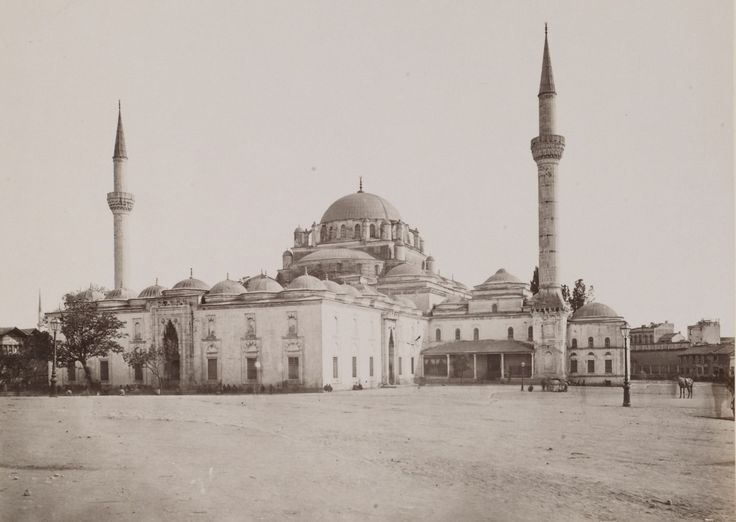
[358, 301]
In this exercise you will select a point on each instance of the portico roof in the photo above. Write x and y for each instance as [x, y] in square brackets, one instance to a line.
[481, 346]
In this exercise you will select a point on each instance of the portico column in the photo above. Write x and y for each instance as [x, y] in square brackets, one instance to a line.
[532, 367]
[502, 367]
[475, 367]
[448, 365]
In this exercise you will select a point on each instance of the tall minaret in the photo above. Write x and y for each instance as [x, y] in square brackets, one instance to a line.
[120, 203]
[547, 151]
[549, 312]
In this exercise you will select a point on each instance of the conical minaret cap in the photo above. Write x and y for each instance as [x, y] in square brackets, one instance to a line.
[120, 151]
[547, 83]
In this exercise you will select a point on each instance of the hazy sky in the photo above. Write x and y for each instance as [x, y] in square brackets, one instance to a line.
[246, 119]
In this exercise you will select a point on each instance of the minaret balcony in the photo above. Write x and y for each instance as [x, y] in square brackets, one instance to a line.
[548, 146]
[120, 201]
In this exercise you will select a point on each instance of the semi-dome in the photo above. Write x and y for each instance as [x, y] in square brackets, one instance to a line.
[595, 310]
[263, 283]
[191, 284]
[405, 269]
[120, 294]
[227, 287]
[361, 205]
[306, 282]
[152, 291]
[324, 254]
[502, 276]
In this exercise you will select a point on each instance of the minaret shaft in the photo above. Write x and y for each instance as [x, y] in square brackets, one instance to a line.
[121, 204]
[547, 149]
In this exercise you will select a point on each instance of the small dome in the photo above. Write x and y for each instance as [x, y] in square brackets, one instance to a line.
[152, 291]
[227, 287]
[429, 258]
[306, 282]
[595, 310]
[351, 290]
[263, 283]
[405, 269]
[502, 276]
[361, 205]
[287, 253]
[324, 254]
[120, 294]
[334, 287]
[191, 284]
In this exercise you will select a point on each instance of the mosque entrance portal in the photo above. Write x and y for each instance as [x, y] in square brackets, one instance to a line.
[171, 355]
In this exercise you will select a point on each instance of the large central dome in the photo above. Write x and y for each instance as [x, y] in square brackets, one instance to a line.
[361, 205]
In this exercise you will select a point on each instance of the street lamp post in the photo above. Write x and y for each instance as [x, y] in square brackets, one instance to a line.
[54, 328]
[523, 365]
[625, 331]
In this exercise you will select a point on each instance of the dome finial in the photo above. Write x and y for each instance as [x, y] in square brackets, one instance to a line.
[545, 29]
[191, 273]
[157, 281]
[360, 184]
[305, 271]
[227, 276]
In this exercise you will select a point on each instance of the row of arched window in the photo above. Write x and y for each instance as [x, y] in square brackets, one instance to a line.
[606, 342]
[344, 232]
[476, 334]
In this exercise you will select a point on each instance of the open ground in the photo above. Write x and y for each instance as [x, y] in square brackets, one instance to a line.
[408, 453]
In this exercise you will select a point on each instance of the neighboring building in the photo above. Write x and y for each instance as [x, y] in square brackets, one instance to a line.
[646, 335]
[14, 340]
[358, 301]
[704, 331]
[708, 361]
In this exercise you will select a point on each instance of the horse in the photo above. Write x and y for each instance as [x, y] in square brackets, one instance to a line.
[686, 385]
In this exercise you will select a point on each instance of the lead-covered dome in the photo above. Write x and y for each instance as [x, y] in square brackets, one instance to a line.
[502, 276]
[227, 288]
[191, 284]
[406, 269]
[361, 205]
[263, 283]
[327, 254]
[152, 291]
[306, 282]
[595, 311]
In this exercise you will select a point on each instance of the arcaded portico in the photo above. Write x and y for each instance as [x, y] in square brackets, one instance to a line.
[478, 361]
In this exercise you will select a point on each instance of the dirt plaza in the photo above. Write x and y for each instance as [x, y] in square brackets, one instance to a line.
[408, 453]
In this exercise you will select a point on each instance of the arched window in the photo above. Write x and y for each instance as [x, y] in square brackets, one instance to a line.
[373, 230]
[343, 232]
[438, 335]
[494, 308]
[591, 362]
[378, 269]
[137, 331]
[357, 232]
[510, 333]
[333, 232]
[574, 343]
[573, 363]
[338, 268]
[324, 235]
[530, 334]
[476, 334]
[608, 342]
[590, 342]
[651, 339]
[457, 334]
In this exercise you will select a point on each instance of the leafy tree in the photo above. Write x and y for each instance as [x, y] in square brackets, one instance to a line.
[152, 359]
[534, 284]
[579, 296]
[88, 332]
